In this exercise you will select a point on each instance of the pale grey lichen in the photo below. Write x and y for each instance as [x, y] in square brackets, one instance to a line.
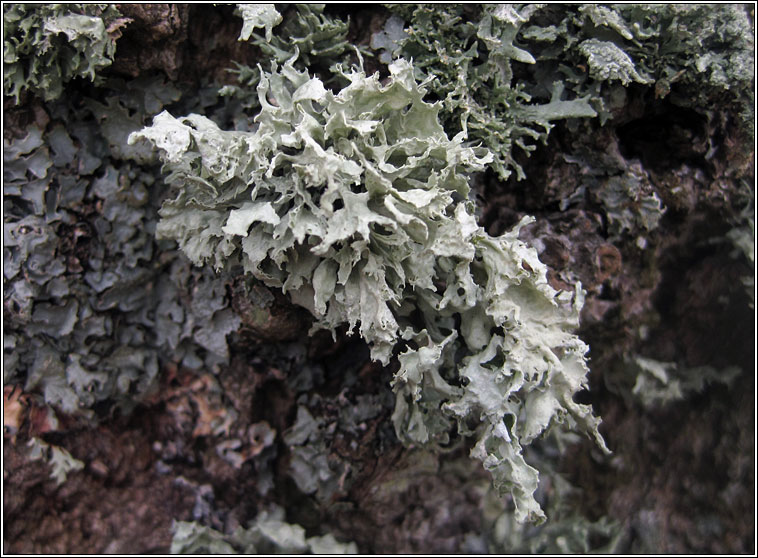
[742, 237]
[608, 62]
[388, 39]
[60, 460]
[658, 383]
[267, 534]
[356, 204]
[309, 463]
[257, 16]
[569, 530]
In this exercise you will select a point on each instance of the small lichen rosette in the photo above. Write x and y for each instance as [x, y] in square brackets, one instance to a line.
[356, 204]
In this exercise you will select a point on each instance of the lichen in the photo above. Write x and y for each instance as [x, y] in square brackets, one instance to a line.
[47, 45]
[267, 534]
[356, 205]
[91, 311]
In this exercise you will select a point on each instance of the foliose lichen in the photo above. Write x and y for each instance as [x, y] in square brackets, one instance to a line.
[267, 534]
[93, 304]
[309, 38]
[506, 73]
[471, 59]
[47, 45]
[61, 461]
[356, 204]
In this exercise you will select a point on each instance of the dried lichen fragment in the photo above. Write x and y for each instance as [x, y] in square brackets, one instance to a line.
[608, 62]
[255, 16]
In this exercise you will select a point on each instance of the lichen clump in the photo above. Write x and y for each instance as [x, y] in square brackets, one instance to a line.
[47, 45]
[356, 204]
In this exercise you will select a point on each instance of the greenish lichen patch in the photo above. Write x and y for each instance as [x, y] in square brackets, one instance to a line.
[47, 45]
